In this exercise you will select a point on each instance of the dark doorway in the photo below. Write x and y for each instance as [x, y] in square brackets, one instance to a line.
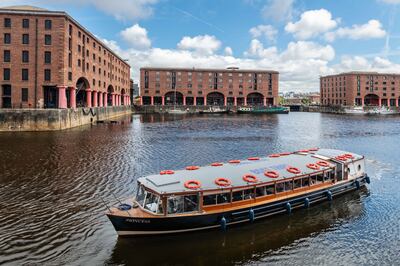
[110, 90]
[157, 100]
[200, 101]
[81, 85]
[255, 98]
[173, 98]
[50, 94]
[240, 101]
[189, 100]
[6, 96]
[215, 98]
[371, 100]
[146, 100]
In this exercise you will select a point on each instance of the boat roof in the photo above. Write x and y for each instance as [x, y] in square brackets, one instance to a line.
[206, 175]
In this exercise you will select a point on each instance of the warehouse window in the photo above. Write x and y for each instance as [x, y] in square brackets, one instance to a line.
[24, 94]
[47, 24]
[47, 74]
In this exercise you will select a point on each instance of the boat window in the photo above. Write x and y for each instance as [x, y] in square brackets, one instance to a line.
[209, 200]
[270, 189]
[359, 167]
[280, 187]
[237, 195]
[328, 176]
[140, 196]
[160, 209]
[151, 202]
[223, 198]
[305, 182]
[191, 203]
[248, 194]
[260, 191]
[288, 185]
[313, 180]
[320, 178]
[175, 204]
[297, 183]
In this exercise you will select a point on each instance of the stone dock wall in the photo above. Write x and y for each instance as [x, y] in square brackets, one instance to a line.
[56, 119]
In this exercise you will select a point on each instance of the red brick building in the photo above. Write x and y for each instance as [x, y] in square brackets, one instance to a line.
[195, 86]
[50, 61]
[360, 88]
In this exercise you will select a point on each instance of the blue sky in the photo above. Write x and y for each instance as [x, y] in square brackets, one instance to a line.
[301, 39]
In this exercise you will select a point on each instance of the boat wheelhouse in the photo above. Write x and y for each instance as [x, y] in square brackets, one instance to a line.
[223, 194]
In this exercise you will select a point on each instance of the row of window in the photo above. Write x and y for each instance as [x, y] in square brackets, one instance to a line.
[25, 57]
[200, 74]
[25, 74]
[25, 39]
[201, 92]
[48, 24]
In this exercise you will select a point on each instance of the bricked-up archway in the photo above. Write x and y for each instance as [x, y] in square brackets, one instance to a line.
[173, 97]
[110, 91]
[255, 98]
[215, 98]
[371, 100]
[81, 85]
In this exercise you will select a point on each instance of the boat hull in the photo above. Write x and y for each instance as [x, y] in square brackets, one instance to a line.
[132, 226]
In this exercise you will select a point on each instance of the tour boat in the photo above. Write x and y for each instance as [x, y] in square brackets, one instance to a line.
[356, 110]
[214, 110]
[263, 110]
[239, 191]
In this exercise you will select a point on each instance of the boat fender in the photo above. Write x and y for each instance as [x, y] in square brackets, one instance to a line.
[223, 223]
[329, 195]
[124, 207]
[288, 207]
[251, 215]
[367, 179]
[306, 202]
[357, 184]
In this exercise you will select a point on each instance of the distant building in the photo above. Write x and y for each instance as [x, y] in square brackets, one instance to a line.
[49, 60]
[314, 98]
[360, 88]
[194, 86]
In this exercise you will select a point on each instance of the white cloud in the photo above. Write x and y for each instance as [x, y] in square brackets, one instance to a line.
[267, 31]
[228, 51]
[121, 9]
[278, 10]
[311, 23]
[361, 63]
[308, 50]
[371, 30]
[202, 44]
[393, 2]
[136, 37]
[257, 50]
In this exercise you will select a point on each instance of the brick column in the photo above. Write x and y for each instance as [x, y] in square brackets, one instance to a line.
[194, 101]
[225, 101]
[151, 100]
[100, 99]
[95, 99]
[397, 102]
[380, 102]
[245, 101]
[184, 100]
[265, 101]
[88, 97]
[141, 100]
[112, 99]
[162, 100]
[362, 101]
[72, 97]
[105, 99]
[234, 101]
[62, 97]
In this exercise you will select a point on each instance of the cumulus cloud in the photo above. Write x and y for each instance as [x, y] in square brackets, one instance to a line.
[136, 37]
[257, 50]
[278, 10]
[266, 31]
[393, 2]
[371, 30]
[228, 51]
[202, 44]
[122, 9]
[308, 50]
[311, 23]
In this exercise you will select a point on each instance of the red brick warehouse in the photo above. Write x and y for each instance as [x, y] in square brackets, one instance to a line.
[51, 61]
[195, 86]
[361, 89]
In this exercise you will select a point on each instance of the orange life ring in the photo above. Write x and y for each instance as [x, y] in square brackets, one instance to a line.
[348, 156]
[217, 164]
[222, 181]
[167, 172]
[192, 167]
[341, 158]
[293, 170]
[192, 184]
[253, 158]
[313, 166]
[271, 174]
[275, 155]
[323, 163]
[250, 178]
[234, 161]
[285, 153]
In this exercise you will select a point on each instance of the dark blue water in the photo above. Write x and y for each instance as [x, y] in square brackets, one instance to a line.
[51, 185]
